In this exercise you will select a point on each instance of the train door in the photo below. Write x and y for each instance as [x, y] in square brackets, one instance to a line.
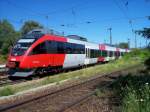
[87, 58]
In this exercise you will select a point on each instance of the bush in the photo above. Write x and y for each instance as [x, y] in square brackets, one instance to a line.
[134, 92]
[7, 91]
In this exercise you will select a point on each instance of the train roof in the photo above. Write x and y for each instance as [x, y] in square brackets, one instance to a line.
[37, 33]
[76, 37]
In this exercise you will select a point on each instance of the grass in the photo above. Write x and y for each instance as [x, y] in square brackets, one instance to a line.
[128, 60]
[137, 102]
[101, 92]
[134, 89]
[3, 59]
[7, 91]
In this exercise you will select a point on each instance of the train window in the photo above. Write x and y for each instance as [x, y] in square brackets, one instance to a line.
[60, 47]
[91, 53]
[71, 48]
[68, 48]
[94, 53]
[110, 53]
[39, 49]
[82, 49]
[104, 53]
[51, 46]
[99, 53]
[118, 53]
[77, 49]
[74, 48]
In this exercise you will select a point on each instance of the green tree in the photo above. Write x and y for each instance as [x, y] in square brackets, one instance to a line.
[7, 36]
[9, 42]
[6, 30]
[30, 25]
[145, 32]
[123, 45]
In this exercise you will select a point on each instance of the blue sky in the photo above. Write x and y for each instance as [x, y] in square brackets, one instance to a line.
[73, 17]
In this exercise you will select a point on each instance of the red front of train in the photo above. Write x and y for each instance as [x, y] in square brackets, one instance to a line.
[24, 56]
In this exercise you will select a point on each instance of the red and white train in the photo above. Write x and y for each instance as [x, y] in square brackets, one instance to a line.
[41, 51]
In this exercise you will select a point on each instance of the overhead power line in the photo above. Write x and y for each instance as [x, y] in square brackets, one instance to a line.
[24, 9]
[33, 13]
[125, 14]
[121, 9]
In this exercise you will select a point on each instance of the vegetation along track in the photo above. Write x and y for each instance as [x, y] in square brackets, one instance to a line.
[64, 98]
[6, 81]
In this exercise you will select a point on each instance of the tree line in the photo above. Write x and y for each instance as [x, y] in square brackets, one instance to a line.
[8, 34]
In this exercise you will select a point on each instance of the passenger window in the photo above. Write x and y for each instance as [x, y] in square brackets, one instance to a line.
[104, 53]
[110, 53]
[68, 48]
[39, 49]
[60, 47]
[51, 46]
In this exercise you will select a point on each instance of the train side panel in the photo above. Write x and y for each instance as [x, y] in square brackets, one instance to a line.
[73, 60]
[89, 58]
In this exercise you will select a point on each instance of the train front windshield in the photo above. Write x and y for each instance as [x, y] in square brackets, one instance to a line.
[21, 46]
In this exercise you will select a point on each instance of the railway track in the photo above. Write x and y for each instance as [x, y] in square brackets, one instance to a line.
[62, 99]
[6, 81]
[3, 76]
[3, 69]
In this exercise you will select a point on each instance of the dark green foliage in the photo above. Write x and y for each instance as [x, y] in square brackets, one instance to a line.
[134, 81]
[145, 32]
[6, 30]
[123, 45]
[7, 36]
[29, 25]
[134, 89]
[139, 53]
[147, 63]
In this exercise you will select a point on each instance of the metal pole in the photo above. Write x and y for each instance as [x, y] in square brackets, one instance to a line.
[110, 35]
[47, 22]
[135, 41]
[146, 42]
[140, 44]
[128, 42]
[104, 41]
